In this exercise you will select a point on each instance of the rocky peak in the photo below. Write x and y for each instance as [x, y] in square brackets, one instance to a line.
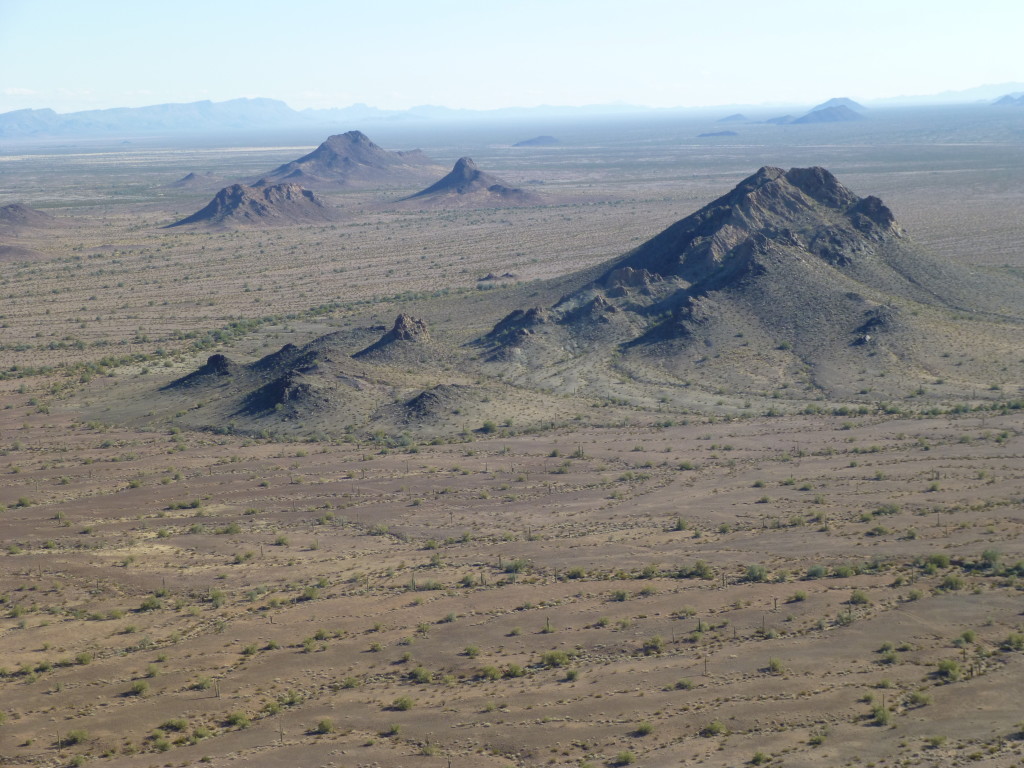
[408, 328]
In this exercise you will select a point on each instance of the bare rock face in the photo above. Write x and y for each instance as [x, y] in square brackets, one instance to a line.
[409, 339]
[217, 368]
[408, 328]
[262, 204]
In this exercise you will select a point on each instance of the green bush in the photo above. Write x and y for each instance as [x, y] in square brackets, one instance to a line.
[881, 716]
[77, 736]
[859, 597]
[714, 728]
[756, 572]
[949, 669]
[554, 659]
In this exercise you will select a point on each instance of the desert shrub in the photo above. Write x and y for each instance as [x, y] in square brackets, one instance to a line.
[421, 675]
[238, 720]
[151, 603]
[990, 559]
[402, 704]
[644, 729]
[514, 670]
[938, 560]
[951, 583]
[77, 736]
[881, 716]
[490, 672]
[948, 669]
[756, 572]
[554, 659]
[859, 597]
[625, 758]
[652, 645]
[918, 699]
[714, 728]
[325, 726]
[1013, 642]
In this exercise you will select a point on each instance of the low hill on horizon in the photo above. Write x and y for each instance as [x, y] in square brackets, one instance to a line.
[352, 159]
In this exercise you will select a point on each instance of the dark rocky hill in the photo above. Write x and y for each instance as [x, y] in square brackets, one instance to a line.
[261, 205]
[790, 274]
[351, 159]
[467, 184]
[789, 289]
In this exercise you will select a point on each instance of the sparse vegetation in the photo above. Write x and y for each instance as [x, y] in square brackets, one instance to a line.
[495, 533]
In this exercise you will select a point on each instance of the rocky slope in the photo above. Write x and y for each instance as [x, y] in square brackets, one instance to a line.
[351, 159]
[790, 276]
[466, 184]
[261, 205]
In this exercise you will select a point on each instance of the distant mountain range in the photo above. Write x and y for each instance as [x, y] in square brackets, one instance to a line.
[264, 114]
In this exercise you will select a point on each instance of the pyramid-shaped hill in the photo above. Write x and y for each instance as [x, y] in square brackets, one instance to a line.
[261, 205]
[352, 160]
[467, 185]
[193, 180]
[839, 113]
[840, 101]
[788, 277]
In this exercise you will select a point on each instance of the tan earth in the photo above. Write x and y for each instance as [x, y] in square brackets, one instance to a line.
[548, 578]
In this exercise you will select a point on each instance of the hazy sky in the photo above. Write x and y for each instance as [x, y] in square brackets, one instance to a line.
[84, 54]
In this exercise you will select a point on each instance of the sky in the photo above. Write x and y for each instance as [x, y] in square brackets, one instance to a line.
[70, 55]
